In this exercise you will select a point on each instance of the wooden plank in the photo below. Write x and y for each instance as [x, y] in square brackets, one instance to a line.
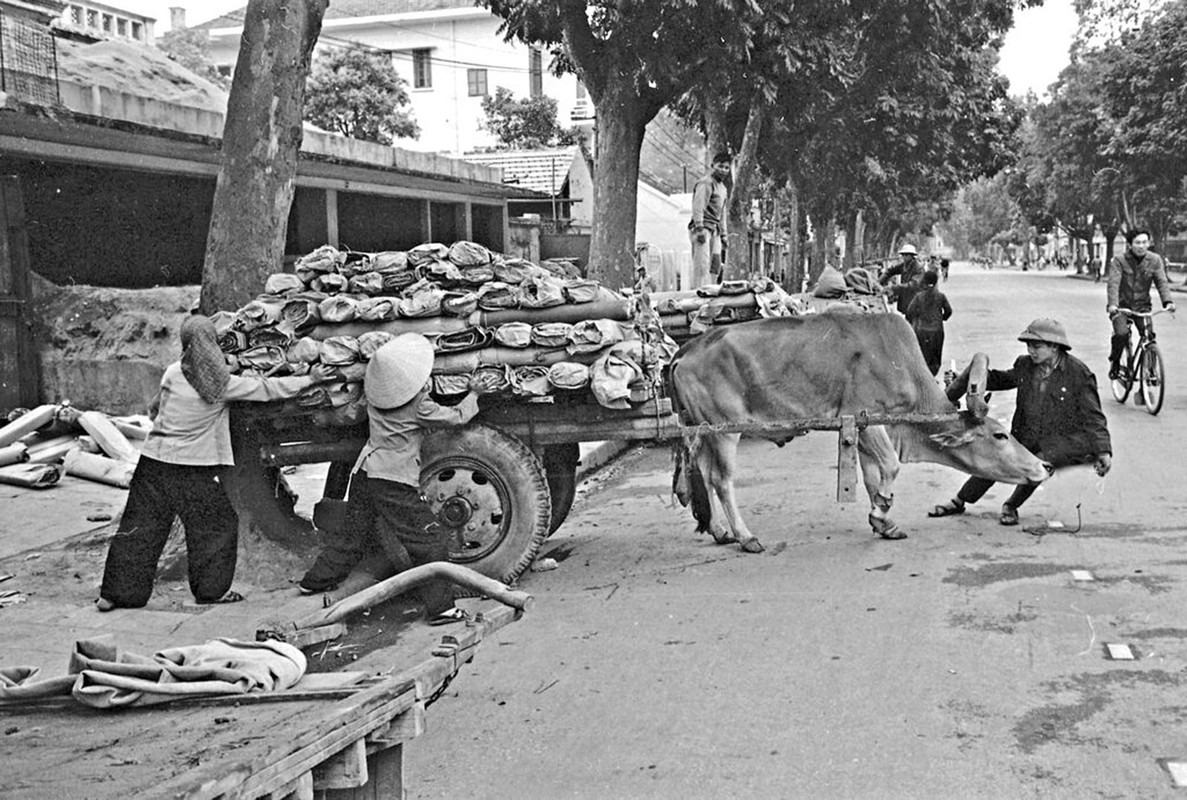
[300, 789]
[19, 380]
[344, 770]
[847, 461]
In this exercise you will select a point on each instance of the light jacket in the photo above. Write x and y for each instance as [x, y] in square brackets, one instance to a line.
[1130, 279]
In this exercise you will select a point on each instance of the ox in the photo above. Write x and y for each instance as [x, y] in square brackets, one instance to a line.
[774, 371]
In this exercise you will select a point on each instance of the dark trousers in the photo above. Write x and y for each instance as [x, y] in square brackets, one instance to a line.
[388, 528]
[160, 493]
[932, 345]
[975, 488]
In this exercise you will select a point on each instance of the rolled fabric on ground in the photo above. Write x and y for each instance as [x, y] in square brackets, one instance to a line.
[422, 325]
[15, 453]
[27, 423]
[50, 451]
[619, 309]
[98, 468]
[31, 476]
[108, 436]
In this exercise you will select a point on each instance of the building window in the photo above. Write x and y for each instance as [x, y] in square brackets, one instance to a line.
[137, 31]
[76, 15]
[92, 18]
[107, 23]
[476, 80]
[422, 68]
[121, 26]
[536, 72]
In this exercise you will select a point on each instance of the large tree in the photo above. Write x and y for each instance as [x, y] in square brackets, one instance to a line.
[261, 140]
[357, 93]
[525, 124]
[634, 57]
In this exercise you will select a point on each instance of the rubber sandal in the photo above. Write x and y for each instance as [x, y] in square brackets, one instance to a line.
[105, 605]
[951, 508]
[1009, 516]
[230, 597]
[448, 616]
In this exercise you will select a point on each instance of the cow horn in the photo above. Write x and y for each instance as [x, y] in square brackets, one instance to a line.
[976, 399]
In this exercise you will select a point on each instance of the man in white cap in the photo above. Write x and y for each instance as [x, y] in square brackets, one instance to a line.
[389, 526]
[909, 272]
[1057, 415]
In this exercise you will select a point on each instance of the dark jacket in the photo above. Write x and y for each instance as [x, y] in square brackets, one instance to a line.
[910, 272]
[1066, 423]
[928, 310]
[1130, 279]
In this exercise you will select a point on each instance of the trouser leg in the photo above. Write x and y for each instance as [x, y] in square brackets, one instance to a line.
[132, 556]
[1119, 340]
[974, 489]
[1020, 495]
[408, 533]
[346, 547]
[211, 533]
[701, 258]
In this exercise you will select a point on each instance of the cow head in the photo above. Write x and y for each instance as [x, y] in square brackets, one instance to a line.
[983, 447]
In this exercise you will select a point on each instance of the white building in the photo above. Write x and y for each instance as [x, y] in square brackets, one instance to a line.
[449, 52]
[100, 21]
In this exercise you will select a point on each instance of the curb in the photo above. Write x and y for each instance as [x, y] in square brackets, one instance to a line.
[597, 454]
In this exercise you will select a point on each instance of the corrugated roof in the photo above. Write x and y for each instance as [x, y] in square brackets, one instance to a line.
[540, 170]
[346, 9]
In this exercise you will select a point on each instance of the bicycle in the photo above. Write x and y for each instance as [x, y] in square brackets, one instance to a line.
[1142, 365]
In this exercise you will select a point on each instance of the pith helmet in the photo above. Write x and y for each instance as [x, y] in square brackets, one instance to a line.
[1045, 330]
[398, 371]
[908, 249]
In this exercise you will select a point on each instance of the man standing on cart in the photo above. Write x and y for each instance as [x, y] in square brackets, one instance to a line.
[1130, 275]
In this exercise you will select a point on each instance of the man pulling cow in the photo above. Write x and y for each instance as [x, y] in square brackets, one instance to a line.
[775, 371]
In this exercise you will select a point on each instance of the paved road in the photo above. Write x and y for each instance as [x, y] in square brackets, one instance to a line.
[964, 662]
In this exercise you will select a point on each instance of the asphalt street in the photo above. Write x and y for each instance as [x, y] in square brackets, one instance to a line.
[967, 661]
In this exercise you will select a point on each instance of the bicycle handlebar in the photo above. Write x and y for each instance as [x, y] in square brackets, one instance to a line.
[1143, 314]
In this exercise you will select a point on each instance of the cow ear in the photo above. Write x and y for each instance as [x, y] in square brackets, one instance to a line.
[954, 437]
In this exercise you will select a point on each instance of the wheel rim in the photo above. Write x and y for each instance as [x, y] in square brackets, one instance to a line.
[1153, 380]
[474, 505]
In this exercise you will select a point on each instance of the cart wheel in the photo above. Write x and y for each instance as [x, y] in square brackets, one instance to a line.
[491, 493]
[560, 467]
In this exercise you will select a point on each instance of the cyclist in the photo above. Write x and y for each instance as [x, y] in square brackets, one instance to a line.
[1129, 279]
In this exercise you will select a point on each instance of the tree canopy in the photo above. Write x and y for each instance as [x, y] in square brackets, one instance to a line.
[358, 93]
[524, 124]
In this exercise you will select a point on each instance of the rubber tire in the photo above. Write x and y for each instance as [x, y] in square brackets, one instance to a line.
[1122, 388]
[1152, 393]
[560, 468]
[504, 466]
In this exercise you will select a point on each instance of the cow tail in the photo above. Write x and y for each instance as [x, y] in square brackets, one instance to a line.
[688, 484]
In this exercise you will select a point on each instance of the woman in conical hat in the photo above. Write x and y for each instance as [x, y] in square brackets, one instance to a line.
[389, 527]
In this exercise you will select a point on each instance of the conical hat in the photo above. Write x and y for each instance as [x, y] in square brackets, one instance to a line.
[398, 371]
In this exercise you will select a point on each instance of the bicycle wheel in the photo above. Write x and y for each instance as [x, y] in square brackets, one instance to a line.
[1152, 378]
[1123, 383]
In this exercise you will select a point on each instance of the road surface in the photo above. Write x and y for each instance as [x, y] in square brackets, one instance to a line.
[967, 661]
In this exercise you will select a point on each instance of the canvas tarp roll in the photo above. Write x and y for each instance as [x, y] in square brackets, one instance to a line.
[424, 325]
[463, 363]
[31, 476]
[15, 453]
[27, 423]
[572, 312]
[98, 468]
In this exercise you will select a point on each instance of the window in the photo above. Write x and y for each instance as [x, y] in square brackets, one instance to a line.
[107, 23]
[536, 73]
[76, 15]
[137, 31]
[422, 68]
[92, 18]
[476, 81]
[121, 26]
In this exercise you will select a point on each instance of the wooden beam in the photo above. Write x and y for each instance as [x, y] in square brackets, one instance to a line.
[847, 461]
[345, 770]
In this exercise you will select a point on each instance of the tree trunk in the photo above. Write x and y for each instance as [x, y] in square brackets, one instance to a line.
[621, 123]
[794, 280]
[745, 168]
[261, 139]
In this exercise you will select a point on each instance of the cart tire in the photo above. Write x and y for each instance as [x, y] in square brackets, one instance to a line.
[491, 493]
[560, 467]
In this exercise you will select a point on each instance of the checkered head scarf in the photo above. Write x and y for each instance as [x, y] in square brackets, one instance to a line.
[202, 361]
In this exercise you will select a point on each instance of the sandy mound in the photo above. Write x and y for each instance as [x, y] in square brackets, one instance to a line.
[137, 70]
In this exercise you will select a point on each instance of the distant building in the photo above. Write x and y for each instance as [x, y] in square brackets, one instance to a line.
[451, 54]
[96, 21]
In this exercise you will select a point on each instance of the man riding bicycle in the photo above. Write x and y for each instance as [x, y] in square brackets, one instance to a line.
[1130, 276]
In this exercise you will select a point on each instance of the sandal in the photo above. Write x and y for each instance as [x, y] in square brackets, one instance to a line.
[447, 616]
[103, 604]
[1009, 516]
[948, 509]
[230, 597]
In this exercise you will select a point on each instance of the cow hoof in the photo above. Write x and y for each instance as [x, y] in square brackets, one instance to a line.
[752, 546]
[886, 528]
[723, 537]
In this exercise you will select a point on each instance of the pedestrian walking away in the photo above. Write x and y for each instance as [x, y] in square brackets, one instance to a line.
[1057, 415]
[181, 471]
[909, 272]
[707, 228]
[1131, 276]
[389, 527]
[928, 311]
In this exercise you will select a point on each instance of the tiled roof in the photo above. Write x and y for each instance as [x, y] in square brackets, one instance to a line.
[345, 9]
[540, 170]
